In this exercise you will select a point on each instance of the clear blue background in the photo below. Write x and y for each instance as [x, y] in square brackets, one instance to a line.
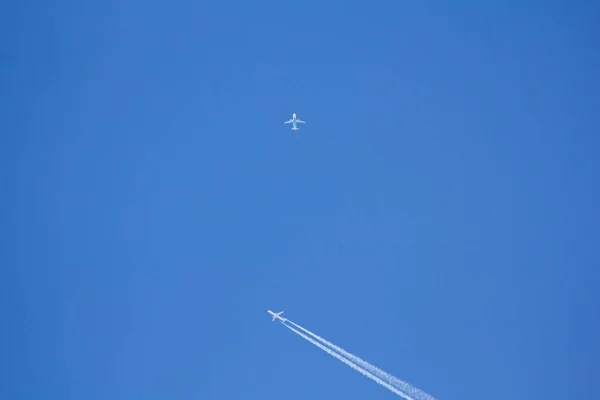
[437, 215]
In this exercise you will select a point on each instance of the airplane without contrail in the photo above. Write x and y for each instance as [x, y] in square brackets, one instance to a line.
[276, 315]
[294, 121]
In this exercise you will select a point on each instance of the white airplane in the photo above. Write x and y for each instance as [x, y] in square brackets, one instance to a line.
[276, 315]
[294, 121]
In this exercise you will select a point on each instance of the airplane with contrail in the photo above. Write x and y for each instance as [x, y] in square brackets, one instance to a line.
[277, 315]
[385, 379]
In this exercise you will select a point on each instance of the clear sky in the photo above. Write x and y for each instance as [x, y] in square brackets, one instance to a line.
[437, 214]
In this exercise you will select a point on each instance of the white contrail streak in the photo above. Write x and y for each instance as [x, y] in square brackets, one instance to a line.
[399, 383]
[351, 364]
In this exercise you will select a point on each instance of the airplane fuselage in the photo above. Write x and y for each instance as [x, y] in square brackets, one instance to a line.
[294, 122]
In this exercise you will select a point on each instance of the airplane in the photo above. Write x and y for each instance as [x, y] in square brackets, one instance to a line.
[294, 121]
[276, 315]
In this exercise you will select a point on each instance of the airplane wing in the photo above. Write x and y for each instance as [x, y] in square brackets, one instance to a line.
[289, 122]
[302, 122]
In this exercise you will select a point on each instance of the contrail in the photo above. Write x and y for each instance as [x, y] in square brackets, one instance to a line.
[351, 364]
[399, 383]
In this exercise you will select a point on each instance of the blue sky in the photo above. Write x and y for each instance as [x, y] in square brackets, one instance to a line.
[437, 215]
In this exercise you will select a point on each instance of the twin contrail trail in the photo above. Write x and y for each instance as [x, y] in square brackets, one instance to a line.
[385, 379]
[407, 388]
[350, 364]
